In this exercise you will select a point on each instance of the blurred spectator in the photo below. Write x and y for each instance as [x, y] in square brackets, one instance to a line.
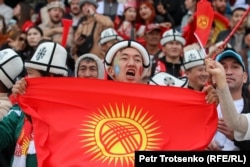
[22, 13]
[152, 38]
[147, 16]
[237, 39]
[43, 17]
[16, 41]
[34, 36]
[191, 8]
[54, 28]
[110, 8]
[171, 11]
[6, 11]
[125, 26]
[3, 31]
[220, 6]
[75, 12]
[88, 32]
[3, 26]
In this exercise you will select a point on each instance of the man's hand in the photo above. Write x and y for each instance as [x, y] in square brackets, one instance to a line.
[19, 88]
[223, 128]
[212, 96]
[213, 146]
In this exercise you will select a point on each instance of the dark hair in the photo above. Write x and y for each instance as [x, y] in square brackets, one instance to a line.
[88, 59]
[37, 28]
[25, 10]
[238, 8]
[4, 30]
[48, 74]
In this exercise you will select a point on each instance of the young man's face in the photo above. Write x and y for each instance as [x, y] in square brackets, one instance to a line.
[56, 15]
[173, 49]
[198, 77]
[87, 69]
[127, 66]
[75, 7]
[234, 73]
[33, 73]
[236, 17]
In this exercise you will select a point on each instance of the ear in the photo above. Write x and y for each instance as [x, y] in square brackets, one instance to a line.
[245, 77]
[187, 72]
[111, 72]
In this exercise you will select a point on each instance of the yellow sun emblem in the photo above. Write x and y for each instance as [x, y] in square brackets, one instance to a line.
[202, 21]
[112, 134]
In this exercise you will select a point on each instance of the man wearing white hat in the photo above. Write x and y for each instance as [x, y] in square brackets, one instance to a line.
[172, 46]
[108, 37]
[195, 69]
[49, 60]
[89, 66]
[11, 66]
[127, 61]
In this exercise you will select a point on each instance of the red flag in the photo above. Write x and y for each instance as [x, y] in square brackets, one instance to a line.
[188, 31]
[204, 20]
[81, 122]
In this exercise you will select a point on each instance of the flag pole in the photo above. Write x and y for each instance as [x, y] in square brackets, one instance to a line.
[236, 27]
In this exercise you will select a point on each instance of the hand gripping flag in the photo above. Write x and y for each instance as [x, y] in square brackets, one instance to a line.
[81, 122]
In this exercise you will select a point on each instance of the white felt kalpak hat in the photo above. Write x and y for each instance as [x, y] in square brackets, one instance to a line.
[99, 62]
[109, 34]
[49, 57]
[166, 79]
[11, 65]
[193, 58]
[172, 35]
[127, 44]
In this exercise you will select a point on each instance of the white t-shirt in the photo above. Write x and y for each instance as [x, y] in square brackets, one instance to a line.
[225, 143]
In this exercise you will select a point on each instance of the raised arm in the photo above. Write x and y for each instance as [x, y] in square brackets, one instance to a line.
[238, 122]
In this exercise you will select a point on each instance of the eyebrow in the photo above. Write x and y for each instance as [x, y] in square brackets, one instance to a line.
[136, 55]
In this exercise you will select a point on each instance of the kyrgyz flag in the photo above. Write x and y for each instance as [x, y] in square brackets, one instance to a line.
[93, 123]
[204, 20]
[221, 23]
